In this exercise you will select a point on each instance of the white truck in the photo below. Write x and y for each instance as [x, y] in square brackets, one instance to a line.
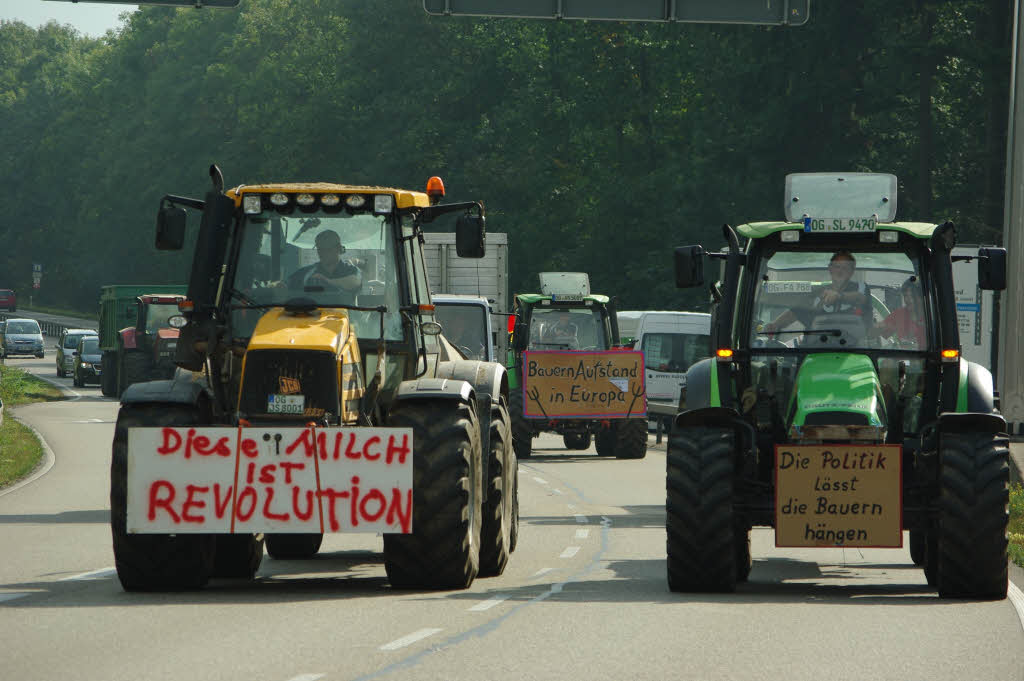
[485, 277]
[671, 341]
[975, 309]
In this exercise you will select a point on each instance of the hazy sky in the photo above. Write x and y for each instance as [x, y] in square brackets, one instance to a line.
[90, 18]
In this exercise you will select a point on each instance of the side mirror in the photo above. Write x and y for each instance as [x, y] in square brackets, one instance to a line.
[520, 337]
[689, 261]
[992, 269]
[470, 236]
[170, 228]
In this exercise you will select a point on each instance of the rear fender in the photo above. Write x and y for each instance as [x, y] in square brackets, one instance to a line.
[178, 390]
[699, 389]
[971, 422]
[718, 417]
[129, 338]
[976, 391]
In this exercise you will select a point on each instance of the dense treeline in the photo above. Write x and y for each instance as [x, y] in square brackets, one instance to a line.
[597, 146]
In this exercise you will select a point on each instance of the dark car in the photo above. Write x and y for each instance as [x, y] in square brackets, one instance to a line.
[8, 300]
[21, 337]
[88, 361]
[66, 345]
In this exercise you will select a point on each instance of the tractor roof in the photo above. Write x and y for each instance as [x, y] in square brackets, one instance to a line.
[403, 197]
[757, 230]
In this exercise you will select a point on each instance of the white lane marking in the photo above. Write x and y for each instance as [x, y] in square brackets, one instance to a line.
[1016, 597]
[557, 491]
[102, 573]
[12, 596]
[540, 480]
[581, 519]
[542, 571]
[307, 677]
[91, 421]
[582, 534]
[572, 507]
[411, 638]
[489, 603]
[570, 551]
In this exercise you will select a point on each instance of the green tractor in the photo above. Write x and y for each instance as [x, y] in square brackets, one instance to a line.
[566, 316]
[837, 408]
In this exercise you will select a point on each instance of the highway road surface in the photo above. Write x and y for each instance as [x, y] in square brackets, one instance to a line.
[584, 596]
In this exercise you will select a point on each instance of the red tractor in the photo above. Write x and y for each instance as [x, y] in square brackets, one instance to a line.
[146, 350]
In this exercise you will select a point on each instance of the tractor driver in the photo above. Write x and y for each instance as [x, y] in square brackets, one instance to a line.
[841, 296]
[562, 331]
[330, 272]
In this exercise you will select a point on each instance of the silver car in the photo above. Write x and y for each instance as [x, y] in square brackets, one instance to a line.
[66, 346]
[21, 337]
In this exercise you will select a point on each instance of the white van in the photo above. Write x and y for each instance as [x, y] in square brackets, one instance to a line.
[671, 342]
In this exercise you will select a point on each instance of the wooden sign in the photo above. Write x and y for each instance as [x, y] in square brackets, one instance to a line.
[564, 384]
[838, 495]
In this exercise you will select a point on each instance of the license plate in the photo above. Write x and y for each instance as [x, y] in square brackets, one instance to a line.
[286, 404]
[841, 225]
[566, 297]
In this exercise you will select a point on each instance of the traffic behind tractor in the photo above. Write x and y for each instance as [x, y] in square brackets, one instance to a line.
[322, 398]
[837, 408]
[569, 375]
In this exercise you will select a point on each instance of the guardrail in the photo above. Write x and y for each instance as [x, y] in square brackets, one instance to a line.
[49, 324]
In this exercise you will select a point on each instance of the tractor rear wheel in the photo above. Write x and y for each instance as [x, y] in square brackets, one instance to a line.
[153, 562]
[606, 440]
[136, 367]
[631, 442]
[522, 433]
[918, 545]
[108, 375]
[496, 519]
[702, 546]
[972, 521]
[294, 546]
[238, 555]
[443, 551]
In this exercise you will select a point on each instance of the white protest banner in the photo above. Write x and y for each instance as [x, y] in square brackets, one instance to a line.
[264, 479]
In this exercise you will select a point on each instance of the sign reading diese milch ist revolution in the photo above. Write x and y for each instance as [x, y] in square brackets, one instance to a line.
[838, 495]
[567, 384]
[258, 479]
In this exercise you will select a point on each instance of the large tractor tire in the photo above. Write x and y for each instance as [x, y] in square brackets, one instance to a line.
[744, 563]
[972, 520]
[576, 440]
[153, 562]
[522, 433]
[702, 546]
[606, 442]
[918, 545]
[631, 439]
[136, 367]
[108, 375]
[238, 555]
[514, 534]
[497, 511]
[443, 551]
[294, 546]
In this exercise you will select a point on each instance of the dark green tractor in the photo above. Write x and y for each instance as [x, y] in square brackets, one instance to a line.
[838, 409]
[538, 318]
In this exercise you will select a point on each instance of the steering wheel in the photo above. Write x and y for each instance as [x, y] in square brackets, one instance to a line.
[766, 342]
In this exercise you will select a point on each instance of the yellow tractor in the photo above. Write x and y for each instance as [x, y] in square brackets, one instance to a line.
[316, 393]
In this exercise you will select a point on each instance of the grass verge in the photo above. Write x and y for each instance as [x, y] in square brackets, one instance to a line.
[20, 449]
[1015, 531]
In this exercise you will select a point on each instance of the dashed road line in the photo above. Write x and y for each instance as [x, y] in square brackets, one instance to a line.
[570, 551]
[557, 491]
[541, 572]
[307, 677]
[489, 603]
[94, 574]
[415, 636]
[581, 519]
[582, 534]
[540, 480]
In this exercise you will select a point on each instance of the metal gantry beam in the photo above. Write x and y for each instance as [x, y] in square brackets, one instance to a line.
[771, 12]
